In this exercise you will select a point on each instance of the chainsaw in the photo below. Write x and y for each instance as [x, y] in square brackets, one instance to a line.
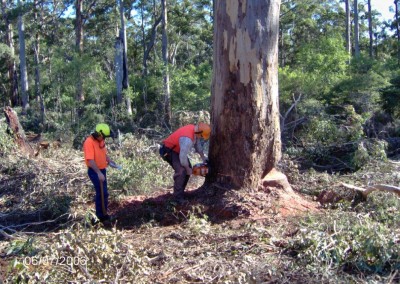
[200, 169]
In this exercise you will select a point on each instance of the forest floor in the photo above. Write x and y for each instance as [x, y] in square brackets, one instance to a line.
[216, 236]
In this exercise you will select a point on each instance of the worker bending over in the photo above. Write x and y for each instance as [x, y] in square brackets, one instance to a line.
[176, 147]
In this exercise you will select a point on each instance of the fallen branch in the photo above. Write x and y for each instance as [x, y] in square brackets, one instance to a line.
[378, 187]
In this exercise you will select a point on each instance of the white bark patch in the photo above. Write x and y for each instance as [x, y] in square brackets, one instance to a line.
[225, 39]
[232, 9]
[241, 52]
[244, 5]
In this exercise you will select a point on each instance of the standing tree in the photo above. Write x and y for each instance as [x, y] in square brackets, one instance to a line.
[36, 56]
[8, 40]
[348, 28]
[167, 94]
[356, 31]
[371, 35]
[119, 74]
[22, 59]
[245, 141]
[122, 35]
[397, 29]
[79, 46]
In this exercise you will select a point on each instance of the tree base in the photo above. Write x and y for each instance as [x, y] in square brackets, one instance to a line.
[288, 202]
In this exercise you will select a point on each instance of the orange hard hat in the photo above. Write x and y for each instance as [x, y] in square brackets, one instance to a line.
[204, 130]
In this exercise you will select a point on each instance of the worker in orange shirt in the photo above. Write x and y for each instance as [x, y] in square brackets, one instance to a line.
[97, 160]
[175, 150]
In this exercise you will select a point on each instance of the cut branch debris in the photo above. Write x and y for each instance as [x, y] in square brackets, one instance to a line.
[378, 187]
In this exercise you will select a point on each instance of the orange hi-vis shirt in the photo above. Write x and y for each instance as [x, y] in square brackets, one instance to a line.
[172, 141]
[95, 150]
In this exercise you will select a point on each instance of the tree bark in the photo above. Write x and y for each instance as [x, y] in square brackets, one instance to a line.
[22, 64]
[371, 35]
[356, 31]
[79, 47]
[245, 142]
[11, 74]
[167, 94]
[17, 131]
[36, 47]
[348, 28]
[397, 30]
[125, 78]
[147, 48]
[119, 68]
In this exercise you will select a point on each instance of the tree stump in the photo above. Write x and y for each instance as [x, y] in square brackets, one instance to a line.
[289, 202]
[17, 131]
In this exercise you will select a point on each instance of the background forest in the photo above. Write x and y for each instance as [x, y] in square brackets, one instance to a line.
[67, 65]
[145, 68]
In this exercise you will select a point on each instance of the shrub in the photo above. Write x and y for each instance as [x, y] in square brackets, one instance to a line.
[142, 171]
[353, 242]
[7, 144]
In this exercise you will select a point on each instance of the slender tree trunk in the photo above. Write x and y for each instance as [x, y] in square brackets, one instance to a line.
[119, 76]
[38, 93]
[397, 30]
[12, 70]
[281, 49]
[167, 94]
[348, 28]
[356, 32]
[245, 142]
[371, 35]
[147, 49]
[174, 52]
[22, 64]
[125, 81]
[79, 48]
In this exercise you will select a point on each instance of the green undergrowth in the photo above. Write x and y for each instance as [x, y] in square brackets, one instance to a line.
[345, 242]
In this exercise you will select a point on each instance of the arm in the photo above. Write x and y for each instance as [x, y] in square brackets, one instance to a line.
[109, 160]
[199, 149]
[92, 164]
[185, 143]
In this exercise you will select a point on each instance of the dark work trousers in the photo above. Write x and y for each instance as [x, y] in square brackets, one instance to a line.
[180, 177]
[96, 182]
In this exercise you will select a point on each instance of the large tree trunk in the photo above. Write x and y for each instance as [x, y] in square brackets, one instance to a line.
[167, 94]
[356, 32]
[22, 64]
[245, 141]
[8, 40]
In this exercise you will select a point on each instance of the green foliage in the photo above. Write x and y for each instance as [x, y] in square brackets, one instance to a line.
[390, 97]
[322, 131]
[368, 151]
[5, 52]
[353, 242]
[7, 144]
[143, 170]
[97, 251]
[361, 89]
[198, 223]
[23, 247]
[191, 88]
